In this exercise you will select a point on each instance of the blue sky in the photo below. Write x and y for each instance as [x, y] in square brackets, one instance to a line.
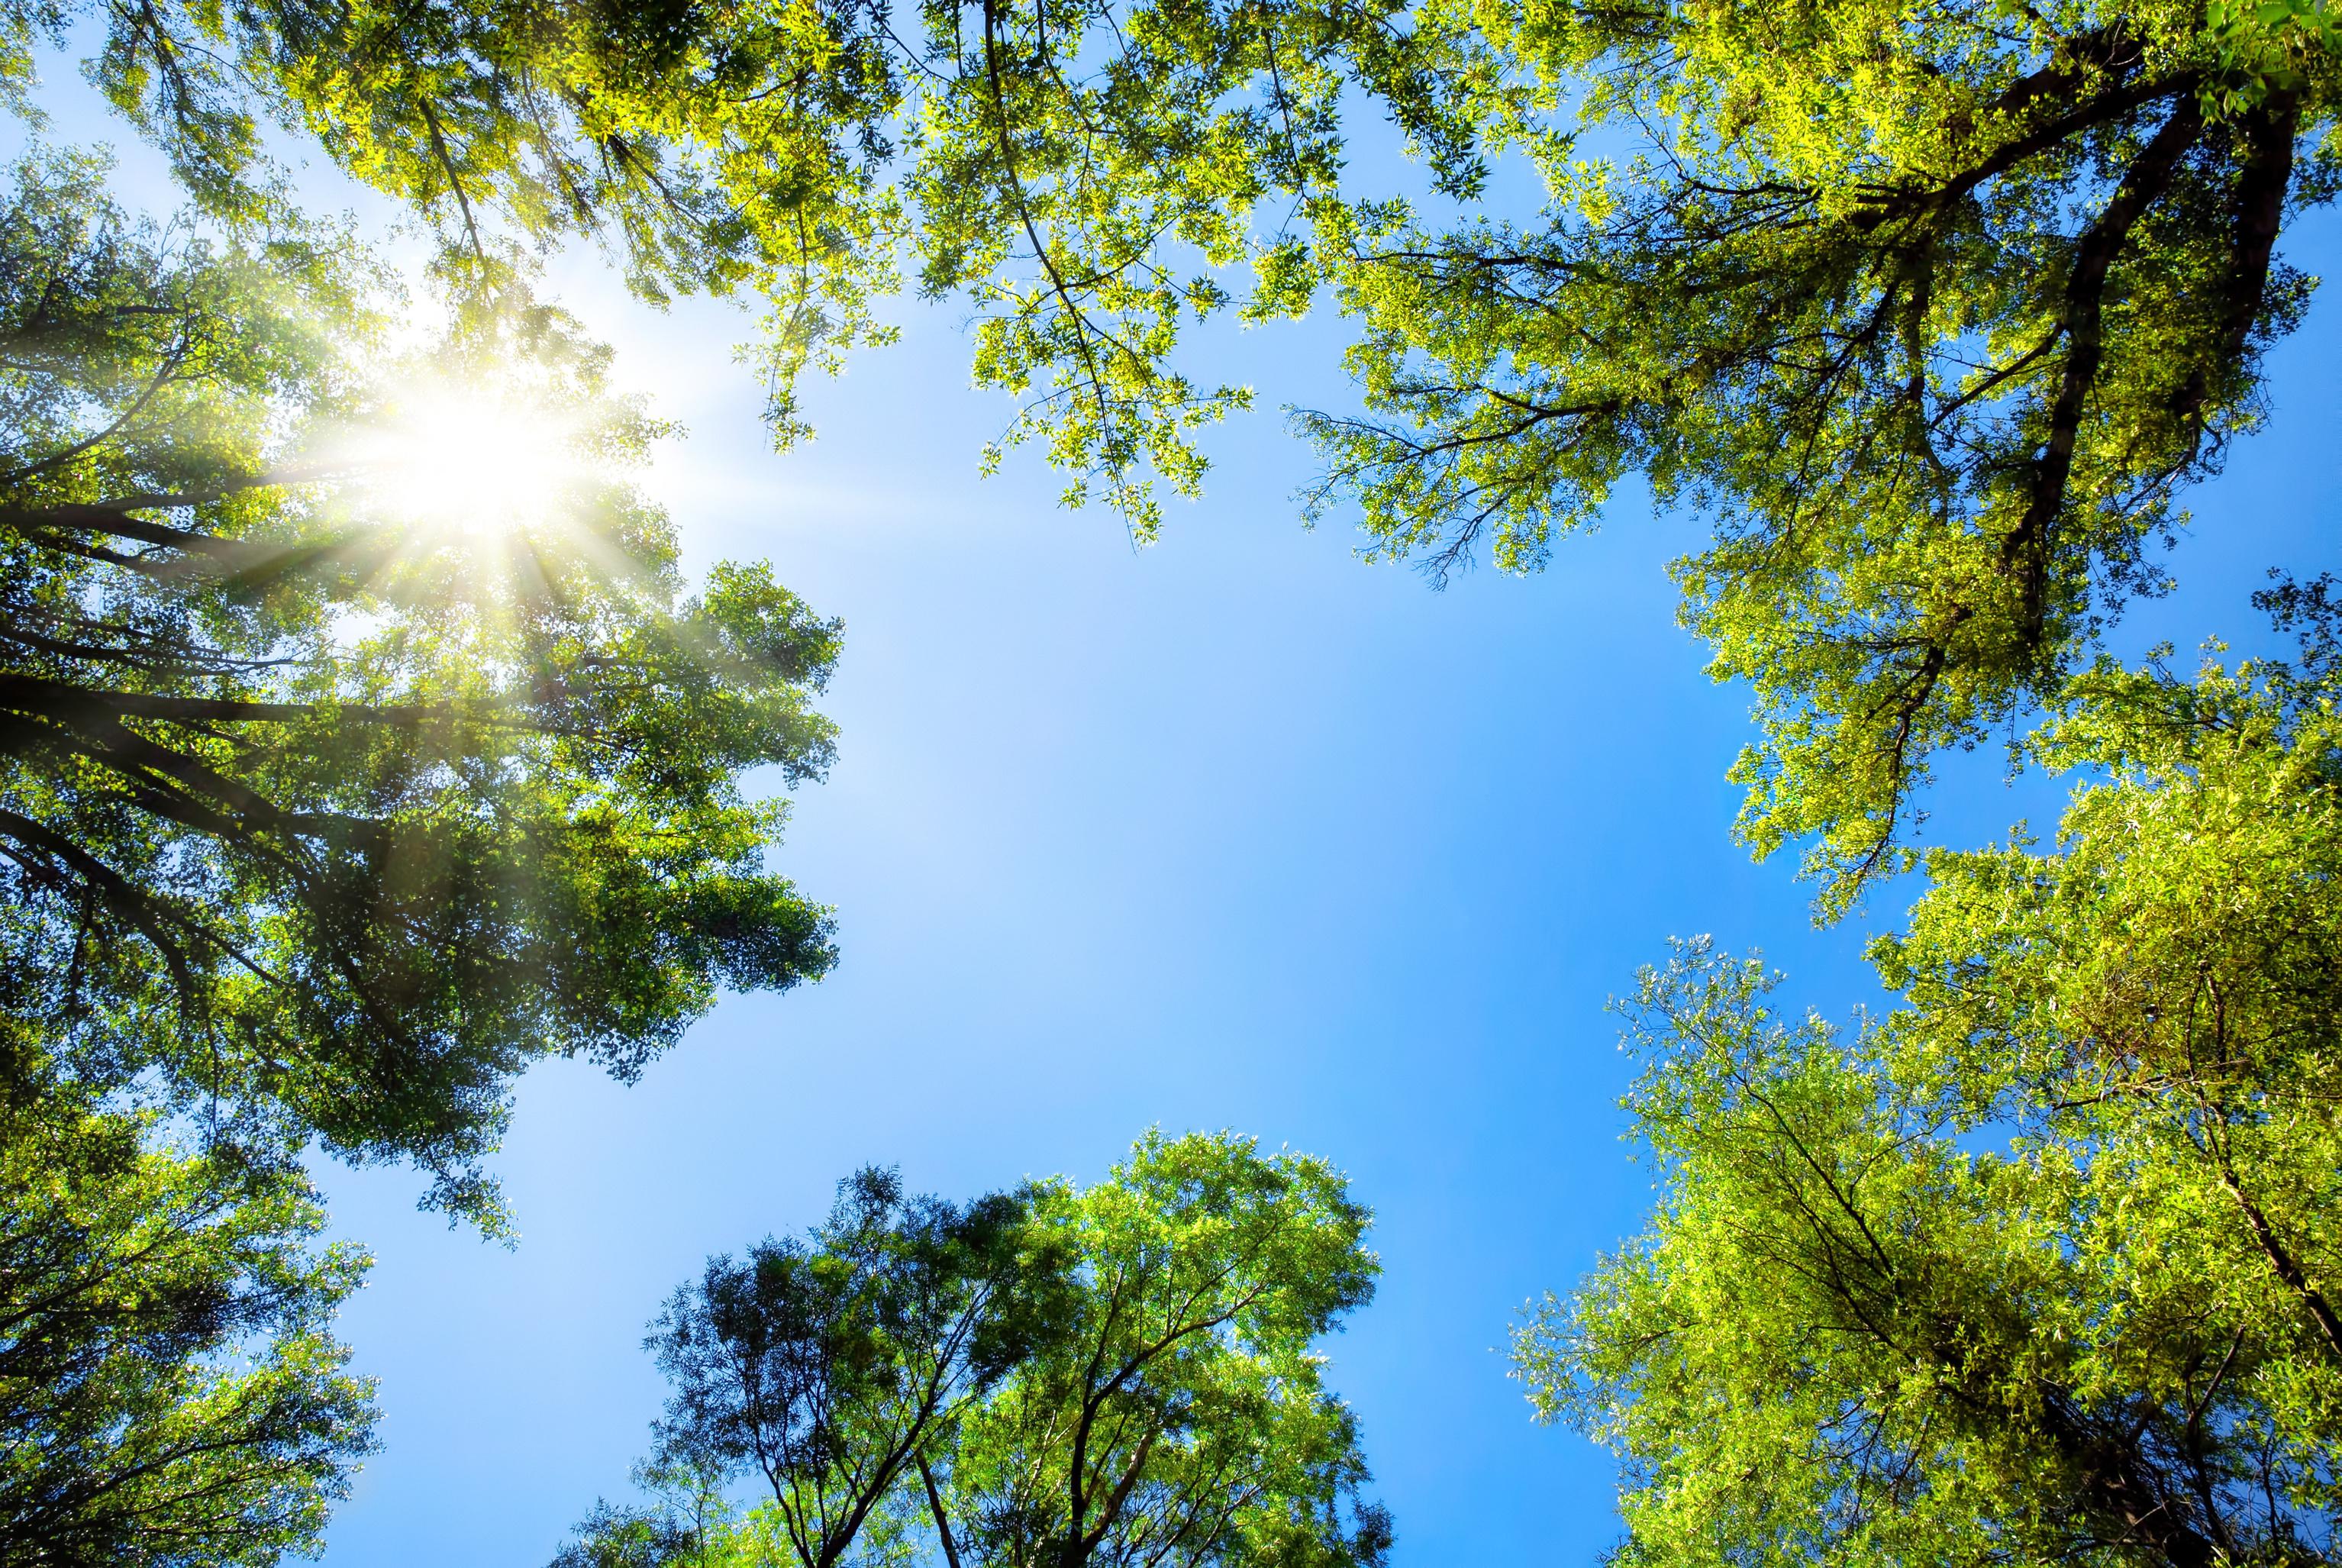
[1233, 832]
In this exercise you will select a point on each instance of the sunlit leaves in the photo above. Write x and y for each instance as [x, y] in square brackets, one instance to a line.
[2039, 1265]
[1932, 311]
[330, 794]
[1079, 174]
[1050, 1378]
[170, 1389]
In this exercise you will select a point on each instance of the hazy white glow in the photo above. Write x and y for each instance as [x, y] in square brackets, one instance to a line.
[467, 460]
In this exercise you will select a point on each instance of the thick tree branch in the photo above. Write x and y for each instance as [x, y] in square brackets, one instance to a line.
[2028, 547]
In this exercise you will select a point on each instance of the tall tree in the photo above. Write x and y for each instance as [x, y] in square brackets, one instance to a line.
[1117, 1376]
[170, 1389]
[339, 777]
[2043, 1265]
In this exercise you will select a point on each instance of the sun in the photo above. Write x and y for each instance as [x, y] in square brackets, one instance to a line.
[465, 460]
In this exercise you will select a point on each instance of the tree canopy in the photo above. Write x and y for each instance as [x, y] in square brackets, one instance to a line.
[1048, 1378]
[1932, 310]
[170, 1389]
[332, 809]
[806, 152]
[328, 803]
[361, 742]
[2041, 1265]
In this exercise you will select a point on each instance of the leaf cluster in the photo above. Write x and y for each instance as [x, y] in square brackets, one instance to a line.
[1049, 1377]
[170, 1389]
[326, 811]
[2039, 1265]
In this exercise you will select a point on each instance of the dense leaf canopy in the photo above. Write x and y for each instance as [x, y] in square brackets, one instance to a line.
[1932, 308]
[170, 1389]
[2040, 1266]
[331, 810]
[1053, 1378]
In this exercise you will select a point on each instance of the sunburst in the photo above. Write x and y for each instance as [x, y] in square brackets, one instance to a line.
[471, 462]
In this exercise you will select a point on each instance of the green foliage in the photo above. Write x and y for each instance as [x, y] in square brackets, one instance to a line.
[1179, 1413]
[1932, 308]
[1076, 171]
[331, 810]
[1055, 1376]
[688, 1524]
[326, 817]
[828, 1369]
[170, 1389]
[2041, 1265]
